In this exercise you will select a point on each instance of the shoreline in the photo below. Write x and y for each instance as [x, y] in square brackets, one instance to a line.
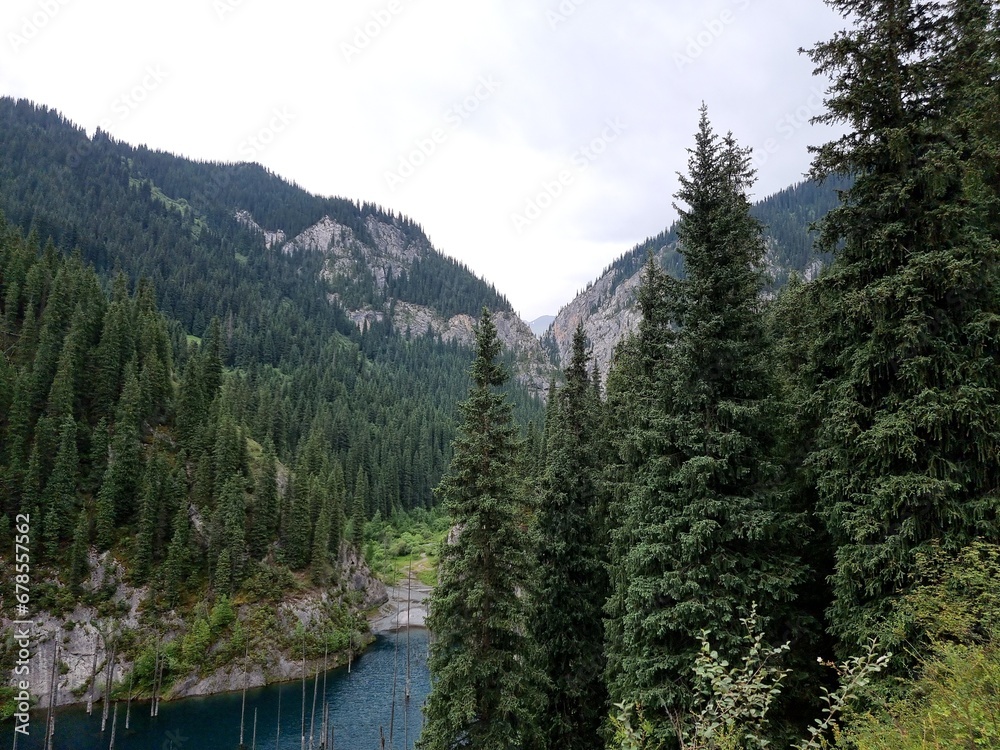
[405, 608]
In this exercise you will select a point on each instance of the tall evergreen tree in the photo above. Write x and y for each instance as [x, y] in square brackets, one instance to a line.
[79, 564]
[319, 560]
[359, 510]
[177, 565]
[487, 689]
[296, 522]
[60, 490]
[265, 505]
[910, 382]
[703, 531]
[567, 623]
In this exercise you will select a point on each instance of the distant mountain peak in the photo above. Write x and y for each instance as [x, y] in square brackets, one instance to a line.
[541, 324]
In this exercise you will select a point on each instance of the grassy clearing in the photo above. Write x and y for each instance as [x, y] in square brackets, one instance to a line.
[404, 542]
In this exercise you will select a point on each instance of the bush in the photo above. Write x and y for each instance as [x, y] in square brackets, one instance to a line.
[949, 623]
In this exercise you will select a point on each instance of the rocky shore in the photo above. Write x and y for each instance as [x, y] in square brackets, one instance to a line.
[406, 606]
[81, 637]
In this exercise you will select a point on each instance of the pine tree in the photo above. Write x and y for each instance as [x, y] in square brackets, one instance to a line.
[567, 623]
[705, 532]
[60, 491]
[231, 525]
[487, 690]
[116, 500]
[265, 505]
[335, 489]
[149, 502]
[79, 564]
[320, 557]
[176, 567]
[359, 510]
[910, 365]
[296, 522]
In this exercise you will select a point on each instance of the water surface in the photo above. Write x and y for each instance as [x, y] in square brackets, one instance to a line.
[360, 703]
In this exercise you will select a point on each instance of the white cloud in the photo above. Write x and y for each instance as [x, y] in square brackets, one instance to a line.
[230, 64]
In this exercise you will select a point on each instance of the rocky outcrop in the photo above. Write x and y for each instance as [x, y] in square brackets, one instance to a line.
[84, 636]
[347, 257]
[272, 237]
[532, 366]
[390, 254]
[608, 313]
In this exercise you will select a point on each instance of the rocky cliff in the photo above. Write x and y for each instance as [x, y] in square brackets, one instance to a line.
[607, 308]
[80, 639]
[387, 253]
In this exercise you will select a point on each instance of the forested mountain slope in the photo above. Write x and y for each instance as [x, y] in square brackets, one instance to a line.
[608, 309]
[323, 315]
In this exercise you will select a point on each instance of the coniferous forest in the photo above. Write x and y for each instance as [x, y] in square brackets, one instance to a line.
[767, 488]
[774, 522]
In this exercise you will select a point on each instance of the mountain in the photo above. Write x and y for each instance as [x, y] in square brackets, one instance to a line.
[325, 303]
[212, 385]
[541, 324]
[607, 307]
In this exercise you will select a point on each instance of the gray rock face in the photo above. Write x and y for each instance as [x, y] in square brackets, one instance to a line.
[608, 316]
[83, 637]
[271, 237]
[532, 367]
[391, 255]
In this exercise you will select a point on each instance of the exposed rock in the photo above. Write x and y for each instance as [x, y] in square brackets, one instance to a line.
[80, 634]
[84, 637]
[272, 237]
[608, 316]
[392, 254]
[532, 367]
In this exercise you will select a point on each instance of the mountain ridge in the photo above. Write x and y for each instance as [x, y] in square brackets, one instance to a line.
[607, 308]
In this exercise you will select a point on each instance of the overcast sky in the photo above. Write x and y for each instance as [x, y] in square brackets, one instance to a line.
[535, 140]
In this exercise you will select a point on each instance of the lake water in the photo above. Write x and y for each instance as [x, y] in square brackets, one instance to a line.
[360, 703]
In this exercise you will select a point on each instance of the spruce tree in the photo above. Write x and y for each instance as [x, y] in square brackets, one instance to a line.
[231, 525]
[177, 565]
[335, 488]
[319, 561]
[567, 623]
[359, 510]
[910, 369]
[296, 522]
[487, 682]
[79, 564]
[265, 505]
[704, 532]
[60, 490]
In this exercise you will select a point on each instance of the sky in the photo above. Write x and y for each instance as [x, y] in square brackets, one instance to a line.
[534, 140]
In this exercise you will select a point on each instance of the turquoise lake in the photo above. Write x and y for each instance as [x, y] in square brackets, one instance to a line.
[360, 704]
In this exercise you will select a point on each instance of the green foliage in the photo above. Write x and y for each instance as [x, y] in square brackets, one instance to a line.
[953, 704]
[733, 701]
[948, 622]
[487, 682]
[730, 710]
[702, 526]
[907, 372]
[567, 623]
